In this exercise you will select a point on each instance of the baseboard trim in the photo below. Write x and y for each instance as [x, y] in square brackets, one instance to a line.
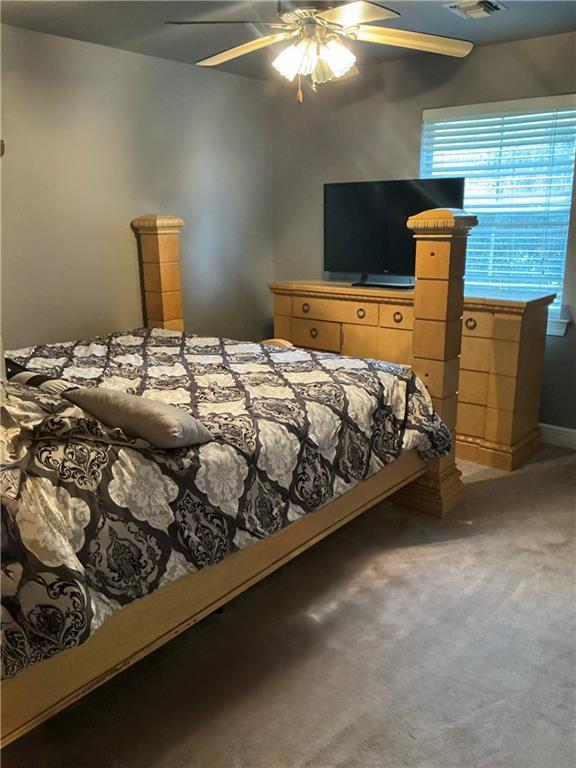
[561, 437]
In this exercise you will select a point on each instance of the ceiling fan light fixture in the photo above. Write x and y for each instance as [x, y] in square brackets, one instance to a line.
[287, 63]
[307, 51]
[337, 57]
[320, 60]
[316, 31]
[299, 58]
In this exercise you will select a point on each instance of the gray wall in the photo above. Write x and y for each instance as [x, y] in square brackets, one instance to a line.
[369, 128]
[97, 136]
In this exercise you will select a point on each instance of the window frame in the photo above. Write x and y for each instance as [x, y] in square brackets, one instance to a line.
[559, 318]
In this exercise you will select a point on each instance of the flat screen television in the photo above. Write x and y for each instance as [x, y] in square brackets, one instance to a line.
[365, 225]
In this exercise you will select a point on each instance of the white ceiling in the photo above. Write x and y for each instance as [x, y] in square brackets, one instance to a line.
[139, 27]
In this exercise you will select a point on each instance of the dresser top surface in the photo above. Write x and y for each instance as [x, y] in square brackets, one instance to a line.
[475, 297]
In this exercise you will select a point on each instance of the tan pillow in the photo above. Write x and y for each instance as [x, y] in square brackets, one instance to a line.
[161, 424]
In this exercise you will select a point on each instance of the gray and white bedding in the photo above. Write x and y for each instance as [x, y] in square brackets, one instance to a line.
[93, 519]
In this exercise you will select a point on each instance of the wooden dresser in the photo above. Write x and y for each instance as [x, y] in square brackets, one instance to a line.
[500, 363]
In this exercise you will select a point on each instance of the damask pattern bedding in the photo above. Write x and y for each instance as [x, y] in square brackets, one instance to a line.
[93, 519]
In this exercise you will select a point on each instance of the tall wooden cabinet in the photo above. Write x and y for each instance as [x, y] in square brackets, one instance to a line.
[500, 364]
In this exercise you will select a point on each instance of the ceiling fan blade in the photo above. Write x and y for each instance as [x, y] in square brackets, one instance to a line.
[242, 50]
[361, 12]
[189, 23]
[418, 41]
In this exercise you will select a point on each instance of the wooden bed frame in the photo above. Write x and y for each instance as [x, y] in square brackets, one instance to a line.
[46, 688]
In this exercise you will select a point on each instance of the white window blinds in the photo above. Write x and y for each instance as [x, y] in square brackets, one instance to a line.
[518, 161]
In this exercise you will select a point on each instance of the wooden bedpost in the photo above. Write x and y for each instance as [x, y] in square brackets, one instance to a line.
[441, 236]
[159, 252]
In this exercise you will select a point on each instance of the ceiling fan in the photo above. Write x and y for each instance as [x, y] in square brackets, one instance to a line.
[316, 31]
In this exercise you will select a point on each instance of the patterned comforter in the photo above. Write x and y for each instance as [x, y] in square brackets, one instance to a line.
[93, 519]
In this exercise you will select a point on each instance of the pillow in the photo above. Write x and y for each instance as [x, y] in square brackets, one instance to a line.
[49, 384]
[161, 424]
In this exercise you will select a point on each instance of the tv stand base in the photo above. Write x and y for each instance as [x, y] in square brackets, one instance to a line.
[391, 281]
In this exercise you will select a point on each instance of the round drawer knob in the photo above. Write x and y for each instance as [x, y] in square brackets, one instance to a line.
[361, 313]
[313, 332]
[470, 323]
[305, 307]
[397, 317]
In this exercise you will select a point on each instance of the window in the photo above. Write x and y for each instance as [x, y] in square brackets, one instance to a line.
[518, 160]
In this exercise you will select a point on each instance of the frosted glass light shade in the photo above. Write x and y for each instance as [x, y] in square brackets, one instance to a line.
[323, 61]
[288, 62]
[337, 57]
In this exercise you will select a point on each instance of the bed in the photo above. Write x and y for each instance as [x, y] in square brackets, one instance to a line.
[111, 547]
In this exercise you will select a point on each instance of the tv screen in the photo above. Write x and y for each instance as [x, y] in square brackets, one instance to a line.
[365, 222]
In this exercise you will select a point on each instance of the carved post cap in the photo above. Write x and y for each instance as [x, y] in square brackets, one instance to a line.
[442, 221]
[157, 223]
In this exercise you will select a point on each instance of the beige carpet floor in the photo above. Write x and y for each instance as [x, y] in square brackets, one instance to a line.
[399, 642]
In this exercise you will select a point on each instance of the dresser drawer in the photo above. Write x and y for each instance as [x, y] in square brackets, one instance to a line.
[475, 354]
[283, 327]
[471, 419]
[492, 326]
[360, 342]
[507, 327]
[477, 324]
[490, 355]
[397, 316]
[316, 334]
[395, 346]
[504, 357]
[499, 426]
[283, 305]
[502, 392]
[333, 310]
[473, 387]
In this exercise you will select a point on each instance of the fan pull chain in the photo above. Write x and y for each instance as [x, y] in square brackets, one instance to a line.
[299, 94]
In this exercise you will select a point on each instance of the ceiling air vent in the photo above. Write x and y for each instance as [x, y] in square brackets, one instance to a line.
[476, 9]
